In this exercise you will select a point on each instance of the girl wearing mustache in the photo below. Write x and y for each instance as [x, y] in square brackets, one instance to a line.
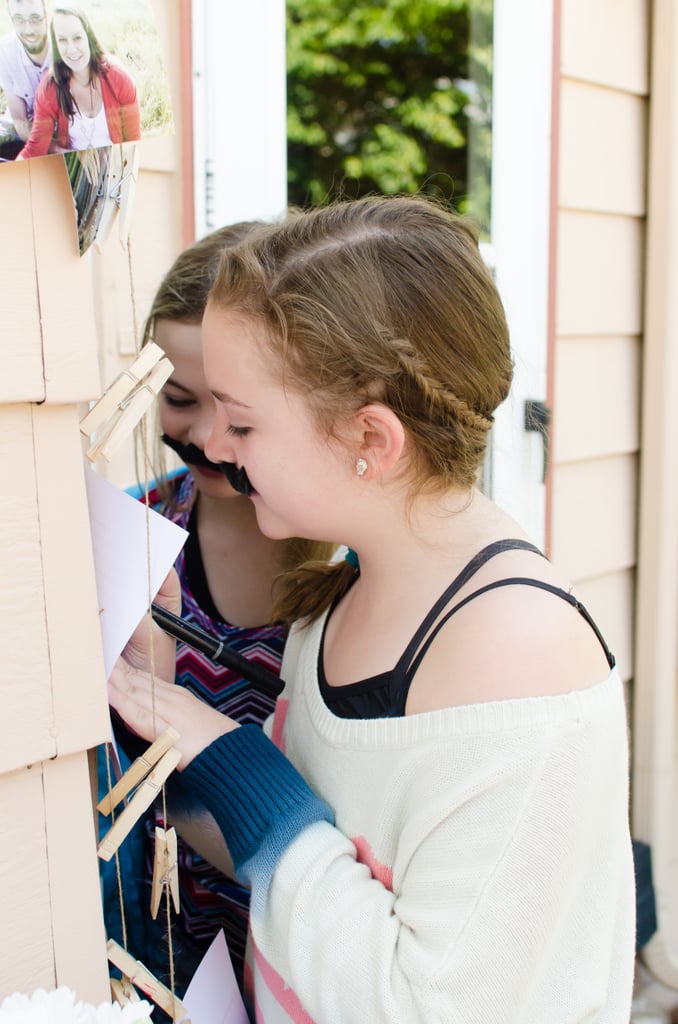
[227, 570]
[435, 822]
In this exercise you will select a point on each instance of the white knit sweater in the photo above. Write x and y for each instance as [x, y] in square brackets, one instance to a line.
[480, 870]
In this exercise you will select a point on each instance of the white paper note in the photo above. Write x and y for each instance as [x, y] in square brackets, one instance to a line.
[213, 996]
[121, 538]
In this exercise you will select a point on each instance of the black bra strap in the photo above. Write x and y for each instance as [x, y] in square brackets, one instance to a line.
[509, 582]
[469, 570]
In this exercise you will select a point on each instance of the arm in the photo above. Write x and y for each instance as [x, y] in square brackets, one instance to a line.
[19, 114]
[130, 120]
[125, 95]
[497, 885]
[510, 858]
[45, 116]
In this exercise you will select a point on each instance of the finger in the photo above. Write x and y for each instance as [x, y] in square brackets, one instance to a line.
[169, 594]
[141, 705]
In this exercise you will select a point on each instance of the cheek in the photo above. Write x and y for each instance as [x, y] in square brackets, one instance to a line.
[173, 421]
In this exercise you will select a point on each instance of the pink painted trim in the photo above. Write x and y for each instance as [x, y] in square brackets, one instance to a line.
[553, 263]
[186, 121]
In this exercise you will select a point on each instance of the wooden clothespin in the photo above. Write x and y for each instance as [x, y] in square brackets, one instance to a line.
[123, 194]
[123, 991]
[148, 774]
[125, 401]
[120, 187]
[137, 974]
[165, 869]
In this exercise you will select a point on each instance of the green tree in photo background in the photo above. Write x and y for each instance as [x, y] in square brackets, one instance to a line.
[390, 97]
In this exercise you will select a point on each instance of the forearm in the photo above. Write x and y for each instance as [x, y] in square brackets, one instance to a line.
[39, 140]
[258, 799]
[312, 902]
[19, 113]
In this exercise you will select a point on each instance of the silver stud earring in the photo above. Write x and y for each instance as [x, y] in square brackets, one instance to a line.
[361, 467]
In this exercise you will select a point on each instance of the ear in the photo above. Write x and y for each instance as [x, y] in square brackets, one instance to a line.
[378, 438]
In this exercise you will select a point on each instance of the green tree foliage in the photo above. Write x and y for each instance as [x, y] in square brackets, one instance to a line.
[389, 97]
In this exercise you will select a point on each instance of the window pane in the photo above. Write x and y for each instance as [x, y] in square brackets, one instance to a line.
[390, 97]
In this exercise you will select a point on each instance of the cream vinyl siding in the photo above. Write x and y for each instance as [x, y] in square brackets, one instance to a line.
[54, 705]
[67, 329]
[125, 278]
[600, 228]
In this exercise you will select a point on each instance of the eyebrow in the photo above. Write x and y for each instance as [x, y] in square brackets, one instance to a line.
[178, 386]
[228, 400]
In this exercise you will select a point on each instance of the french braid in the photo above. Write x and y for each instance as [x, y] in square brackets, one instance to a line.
[380, 299]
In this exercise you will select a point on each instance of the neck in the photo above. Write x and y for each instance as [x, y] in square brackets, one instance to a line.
[37, 58]
[431, 535]
[229, 515]
[240, 563]
[82, 77]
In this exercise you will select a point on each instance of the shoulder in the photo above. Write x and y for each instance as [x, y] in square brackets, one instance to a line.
[10, 59]
[177, 485]
[116, 75]
[300, 656]
[9, 46]
[46, 91]
[514, 640]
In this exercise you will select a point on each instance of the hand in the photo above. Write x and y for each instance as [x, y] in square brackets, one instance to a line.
[150, 648]
[148, 708]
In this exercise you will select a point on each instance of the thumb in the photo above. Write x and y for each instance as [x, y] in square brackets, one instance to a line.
[169, 594]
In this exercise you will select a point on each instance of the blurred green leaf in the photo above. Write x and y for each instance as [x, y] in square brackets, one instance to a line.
[390, 97]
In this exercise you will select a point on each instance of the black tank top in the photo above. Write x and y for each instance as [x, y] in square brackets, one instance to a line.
[385, 695]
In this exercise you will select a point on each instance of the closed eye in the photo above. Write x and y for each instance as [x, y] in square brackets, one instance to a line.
[238, 431]
[177, 403]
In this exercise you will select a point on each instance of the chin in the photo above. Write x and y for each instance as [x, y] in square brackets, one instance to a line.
[273, 528]
[220, 489]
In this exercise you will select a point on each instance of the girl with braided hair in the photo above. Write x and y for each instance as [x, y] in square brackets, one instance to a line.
[435, 825]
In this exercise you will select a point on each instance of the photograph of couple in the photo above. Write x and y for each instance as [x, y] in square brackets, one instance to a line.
[66, 85]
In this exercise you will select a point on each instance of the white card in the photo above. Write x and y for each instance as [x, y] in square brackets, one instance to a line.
[121, 537]
[213, 996]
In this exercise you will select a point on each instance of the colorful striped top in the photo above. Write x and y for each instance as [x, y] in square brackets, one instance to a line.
[209, 900]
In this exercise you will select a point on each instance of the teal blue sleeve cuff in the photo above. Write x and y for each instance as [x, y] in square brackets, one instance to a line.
[259, 800]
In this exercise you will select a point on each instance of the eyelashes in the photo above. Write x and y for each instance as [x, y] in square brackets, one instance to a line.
[238, 431]
[177, 403]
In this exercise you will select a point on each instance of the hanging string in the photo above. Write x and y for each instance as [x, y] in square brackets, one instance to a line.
[118, 869]
[146, 475]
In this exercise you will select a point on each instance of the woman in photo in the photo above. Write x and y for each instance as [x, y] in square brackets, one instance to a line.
[86, 100]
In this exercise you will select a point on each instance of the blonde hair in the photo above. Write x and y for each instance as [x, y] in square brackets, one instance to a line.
[182, 297]
[381, 299]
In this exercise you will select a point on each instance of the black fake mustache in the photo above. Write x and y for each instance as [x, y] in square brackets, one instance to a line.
[194, 456]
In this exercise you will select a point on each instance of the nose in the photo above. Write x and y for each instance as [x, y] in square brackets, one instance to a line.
[217, 445]
[201, 427]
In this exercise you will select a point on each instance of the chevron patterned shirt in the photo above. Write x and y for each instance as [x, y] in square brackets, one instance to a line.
[209, 900]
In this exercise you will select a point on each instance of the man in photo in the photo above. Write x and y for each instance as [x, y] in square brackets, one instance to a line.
[24, 57]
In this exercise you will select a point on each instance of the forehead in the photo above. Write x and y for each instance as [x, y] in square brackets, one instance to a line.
[225, 329]
[178, 339]
[67, 23]
[25, 7]
[235, 345]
